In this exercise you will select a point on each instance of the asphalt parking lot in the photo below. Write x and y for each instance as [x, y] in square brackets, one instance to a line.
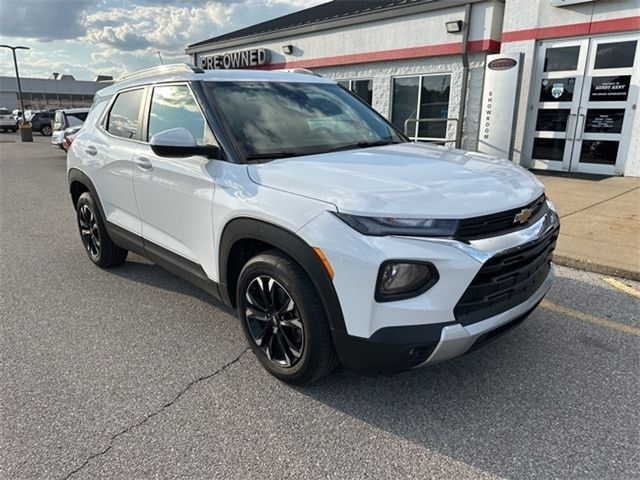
[133, 373]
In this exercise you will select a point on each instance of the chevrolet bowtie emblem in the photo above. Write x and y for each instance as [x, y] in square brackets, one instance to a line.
[523, 216]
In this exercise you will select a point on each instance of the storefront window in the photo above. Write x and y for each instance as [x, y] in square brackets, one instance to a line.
[422, 97]
[362, 88]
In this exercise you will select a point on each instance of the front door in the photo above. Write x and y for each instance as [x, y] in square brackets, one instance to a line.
[175, 194]
[584, 104]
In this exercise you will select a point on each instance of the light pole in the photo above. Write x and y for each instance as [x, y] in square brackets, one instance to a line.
[15, 64]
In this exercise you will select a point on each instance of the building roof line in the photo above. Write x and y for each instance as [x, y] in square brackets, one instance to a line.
[284, 26]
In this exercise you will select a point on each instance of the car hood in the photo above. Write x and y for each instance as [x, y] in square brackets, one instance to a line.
[408, 179]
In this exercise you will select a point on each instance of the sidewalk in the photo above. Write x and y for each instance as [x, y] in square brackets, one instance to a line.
[600, 223]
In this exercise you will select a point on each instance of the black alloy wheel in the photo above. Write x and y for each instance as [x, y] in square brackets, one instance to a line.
[89, 231]
[46, 130]
[274, 321]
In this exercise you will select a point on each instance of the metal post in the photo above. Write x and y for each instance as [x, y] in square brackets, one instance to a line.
[26, 136]
[15, 64]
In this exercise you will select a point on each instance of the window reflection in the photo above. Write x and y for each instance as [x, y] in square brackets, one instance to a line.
[173, 106]
[123, 118]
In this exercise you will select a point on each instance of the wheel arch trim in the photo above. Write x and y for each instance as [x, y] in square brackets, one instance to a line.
[290, 244]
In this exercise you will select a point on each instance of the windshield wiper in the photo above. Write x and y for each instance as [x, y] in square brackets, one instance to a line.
[375, 143]
[272, 156]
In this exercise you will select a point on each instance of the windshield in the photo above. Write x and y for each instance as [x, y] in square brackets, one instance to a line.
[274, 120]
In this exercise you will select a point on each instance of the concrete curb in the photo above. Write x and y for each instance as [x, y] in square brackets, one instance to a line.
[595, 267]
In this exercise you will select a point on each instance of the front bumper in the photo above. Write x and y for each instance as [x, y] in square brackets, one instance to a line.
[396, 349]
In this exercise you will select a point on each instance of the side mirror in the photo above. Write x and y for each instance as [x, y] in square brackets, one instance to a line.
[179, 142]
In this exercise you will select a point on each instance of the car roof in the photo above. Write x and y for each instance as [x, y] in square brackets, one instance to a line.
[185, 72]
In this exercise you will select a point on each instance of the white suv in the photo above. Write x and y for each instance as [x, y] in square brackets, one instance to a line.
[288, 198]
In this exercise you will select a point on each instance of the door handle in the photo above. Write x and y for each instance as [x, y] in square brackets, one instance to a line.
[568, 127]
[580, 126]
[143, 162]
[91, 150]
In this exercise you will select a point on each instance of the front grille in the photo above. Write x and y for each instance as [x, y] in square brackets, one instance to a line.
[500, 223]
[506, 280]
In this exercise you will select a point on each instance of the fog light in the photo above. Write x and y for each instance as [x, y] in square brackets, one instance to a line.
[398, 280]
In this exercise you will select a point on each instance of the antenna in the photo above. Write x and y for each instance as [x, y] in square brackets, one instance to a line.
[160, 57]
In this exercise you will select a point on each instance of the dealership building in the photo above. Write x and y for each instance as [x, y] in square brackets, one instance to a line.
[58, 91]
[549, 84]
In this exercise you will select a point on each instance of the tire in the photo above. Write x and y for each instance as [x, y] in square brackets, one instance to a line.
[46, 131]
[292, 341]
[14, 130]
[93, 234]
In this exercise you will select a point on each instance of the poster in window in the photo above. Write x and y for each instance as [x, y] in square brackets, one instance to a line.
[610, 89]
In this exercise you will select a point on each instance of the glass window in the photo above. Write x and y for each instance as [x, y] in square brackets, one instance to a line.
[601, 120]
[275, 120]
[615, 55]
[561, 58]
[434, 103]
[123, 117]
[552, 120]
[433, 94]
[597, 151]
[557, 89]
[548, 148]
[174, 106]
[363, 89]
[405, 102]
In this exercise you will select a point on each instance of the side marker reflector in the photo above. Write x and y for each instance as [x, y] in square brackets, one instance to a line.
[325, 261]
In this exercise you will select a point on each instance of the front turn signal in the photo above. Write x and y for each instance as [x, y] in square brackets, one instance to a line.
[325, 261]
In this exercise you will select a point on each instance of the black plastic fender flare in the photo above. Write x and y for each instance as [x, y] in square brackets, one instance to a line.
[292, 245]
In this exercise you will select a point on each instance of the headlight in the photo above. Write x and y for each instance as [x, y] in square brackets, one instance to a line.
[399, 279]
[416, 227]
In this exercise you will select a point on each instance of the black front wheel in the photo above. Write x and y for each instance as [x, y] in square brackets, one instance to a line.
[99, 246]
[46, 131]
[283, 319]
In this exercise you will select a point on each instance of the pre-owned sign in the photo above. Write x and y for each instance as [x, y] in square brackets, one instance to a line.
[253, 57]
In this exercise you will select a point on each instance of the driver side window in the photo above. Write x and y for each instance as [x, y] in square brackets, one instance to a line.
[173, 106]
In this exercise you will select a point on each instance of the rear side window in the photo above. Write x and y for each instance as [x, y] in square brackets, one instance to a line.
[123, 117]
[75, 119]
[96, 110]
[174, 106]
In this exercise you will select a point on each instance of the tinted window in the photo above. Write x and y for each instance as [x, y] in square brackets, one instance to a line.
[434, 103]
[405, 102]
[433, 91]
[615, 55]
[561, 58]
[174, 106]
[123, 118]
[363, 89]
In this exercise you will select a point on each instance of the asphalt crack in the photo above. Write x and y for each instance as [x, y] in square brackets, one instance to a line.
[155, 413]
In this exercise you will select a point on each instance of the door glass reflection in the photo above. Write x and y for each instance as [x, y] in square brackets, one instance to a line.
[599, 151]
[615, 55]
[552, 120]
[548, 148]
[561, 58]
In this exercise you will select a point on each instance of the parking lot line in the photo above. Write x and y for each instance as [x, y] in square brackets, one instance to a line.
[587, 317]
[622, 286]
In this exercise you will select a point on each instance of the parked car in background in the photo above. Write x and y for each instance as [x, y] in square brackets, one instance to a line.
[67, 118]
[69, 136]
[7, 122]
[28, 114]
[42, 122]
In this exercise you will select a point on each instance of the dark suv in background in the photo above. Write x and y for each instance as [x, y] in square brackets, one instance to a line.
[41, 122]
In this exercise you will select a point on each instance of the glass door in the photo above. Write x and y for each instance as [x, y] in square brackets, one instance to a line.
[556, 90]
[607, 106]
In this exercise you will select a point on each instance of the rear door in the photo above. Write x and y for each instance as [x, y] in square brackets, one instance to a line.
[108, 151]
[175, 195]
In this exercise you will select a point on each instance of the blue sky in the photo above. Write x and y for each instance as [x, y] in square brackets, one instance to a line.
[89, 37]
